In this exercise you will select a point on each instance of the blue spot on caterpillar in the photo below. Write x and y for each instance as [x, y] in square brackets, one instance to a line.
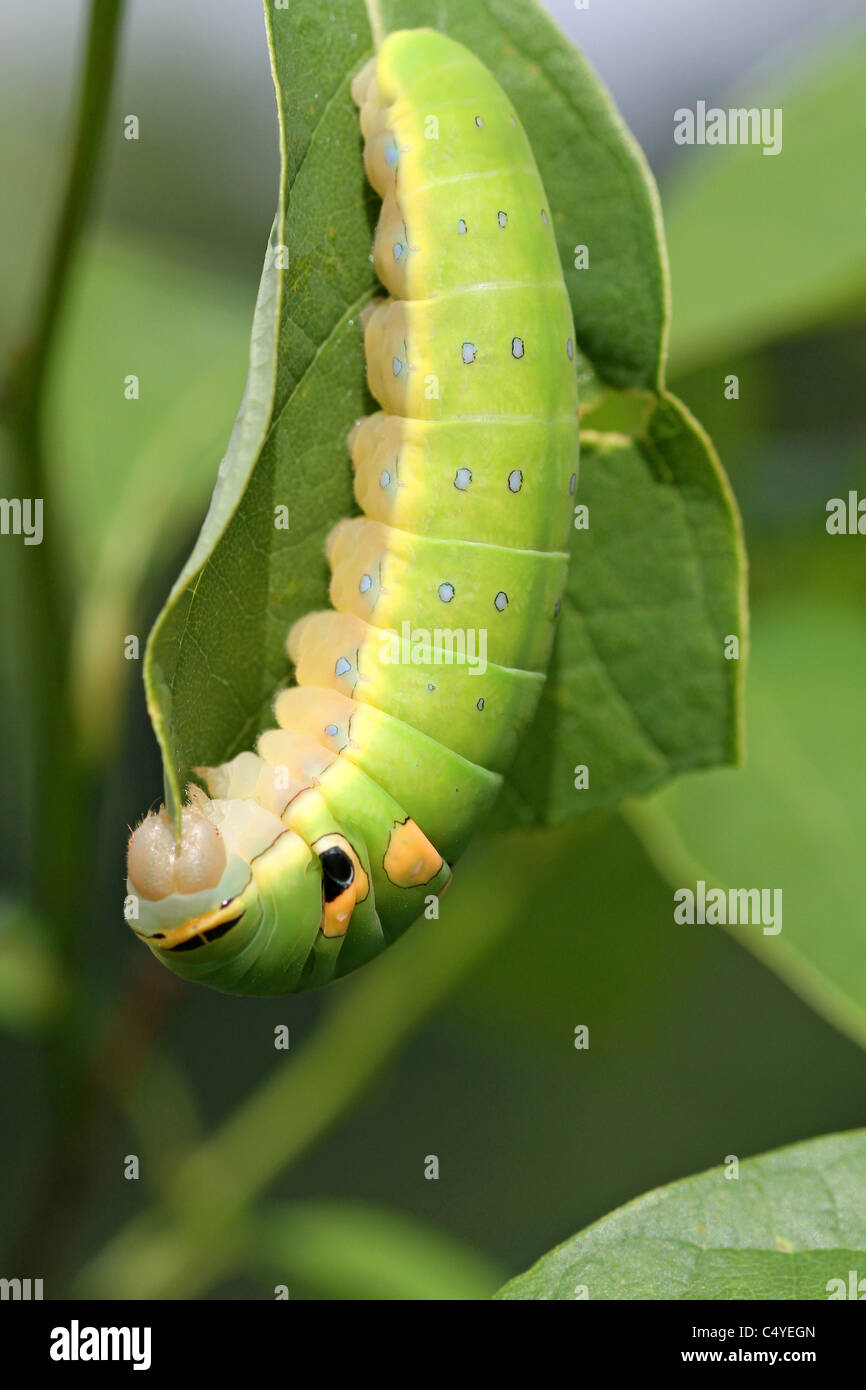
[303, 858]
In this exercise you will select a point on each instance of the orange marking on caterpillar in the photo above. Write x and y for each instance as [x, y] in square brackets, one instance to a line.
[410, 858]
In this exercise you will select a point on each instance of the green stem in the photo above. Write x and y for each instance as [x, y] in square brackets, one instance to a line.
[88, 138]
[45, 570]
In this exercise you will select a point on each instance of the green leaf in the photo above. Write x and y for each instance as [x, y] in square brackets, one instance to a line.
[348, 1250]
[216, 656]
[763, 246]
[134, 310]
[640, 687]
[791, 1222]
[794, 818]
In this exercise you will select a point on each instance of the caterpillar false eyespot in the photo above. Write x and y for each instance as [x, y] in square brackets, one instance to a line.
[305, 858]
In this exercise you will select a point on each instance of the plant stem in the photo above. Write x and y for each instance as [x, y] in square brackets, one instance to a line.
[88, 138]
[45, 573]
[62, 816]
[57, 867]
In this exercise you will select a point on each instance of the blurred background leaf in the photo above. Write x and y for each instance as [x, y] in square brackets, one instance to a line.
[344, 1250]
[183, 332]
[762, 246]
[794, 818]
[129, 475]
[31, 985]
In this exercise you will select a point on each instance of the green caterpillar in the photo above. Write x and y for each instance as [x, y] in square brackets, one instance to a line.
[307, 857]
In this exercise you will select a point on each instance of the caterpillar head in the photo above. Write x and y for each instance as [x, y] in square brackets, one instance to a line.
[238, 899]
[190, 889]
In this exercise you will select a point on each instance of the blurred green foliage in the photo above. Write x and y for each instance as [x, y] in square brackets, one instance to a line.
[352, 1250]
[128, 478]
[793, 820]
[763, 246]
[31, 983]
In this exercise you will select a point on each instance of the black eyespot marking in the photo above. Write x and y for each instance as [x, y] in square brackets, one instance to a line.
[338, 871]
